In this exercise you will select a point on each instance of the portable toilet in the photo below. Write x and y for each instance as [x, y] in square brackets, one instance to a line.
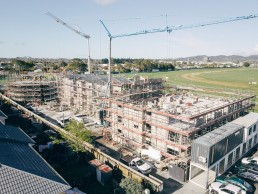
[104, 174]
[94, 164]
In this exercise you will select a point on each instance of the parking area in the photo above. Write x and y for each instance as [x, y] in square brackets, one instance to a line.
[240, 170]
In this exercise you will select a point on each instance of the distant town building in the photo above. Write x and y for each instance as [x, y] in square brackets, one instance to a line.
[206, 59]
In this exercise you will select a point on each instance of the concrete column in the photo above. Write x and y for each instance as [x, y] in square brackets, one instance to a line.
[241, 151]
[207, 178]
[226, 163]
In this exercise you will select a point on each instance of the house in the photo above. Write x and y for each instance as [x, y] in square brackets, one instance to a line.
[22, 169]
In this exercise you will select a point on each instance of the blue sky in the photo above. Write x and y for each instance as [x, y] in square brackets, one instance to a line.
[27, 31]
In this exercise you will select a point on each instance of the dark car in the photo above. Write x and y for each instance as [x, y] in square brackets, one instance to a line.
[245, 167]
[236, 181]
[126, 159]
[249, 175]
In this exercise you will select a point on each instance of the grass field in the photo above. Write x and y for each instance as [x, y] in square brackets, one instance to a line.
[236, 79]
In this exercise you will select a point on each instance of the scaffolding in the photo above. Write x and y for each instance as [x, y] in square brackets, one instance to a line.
[170, 122]
[35, 89]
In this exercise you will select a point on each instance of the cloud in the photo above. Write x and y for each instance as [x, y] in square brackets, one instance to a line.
[105, 2]
[1, 42]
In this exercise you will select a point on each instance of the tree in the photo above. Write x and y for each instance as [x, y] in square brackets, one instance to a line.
[131, 186]
[104, 61]
[62, 64]
[77, 65]
[246, 64]
[22, 65]
[78, 129]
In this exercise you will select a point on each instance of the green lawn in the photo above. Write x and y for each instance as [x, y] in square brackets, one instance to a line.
[236, 79]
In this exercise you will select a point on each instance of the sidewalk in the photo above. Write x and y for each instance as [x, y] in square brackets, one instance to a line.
[191, 188]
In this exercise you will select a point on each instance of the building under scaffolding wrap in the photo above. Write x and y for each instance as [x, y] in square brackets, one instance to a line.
[85, 93]
[32, 89]
[167, 124]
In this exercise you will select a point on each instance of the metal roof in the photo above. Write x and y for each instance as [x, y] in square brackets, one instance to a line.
[252, 115]
[218, 134]
[247, 120]
[11, 133]
[95, 163]
[2, 114]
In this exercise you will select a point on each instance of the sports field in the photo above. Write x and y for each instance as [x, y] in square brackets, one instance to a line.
[235, 79]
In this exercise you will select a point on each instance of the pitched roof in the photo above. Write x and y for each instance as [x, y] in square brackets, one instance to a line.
[10, 133]
[20, 182]
[22, 169]
[2, 114]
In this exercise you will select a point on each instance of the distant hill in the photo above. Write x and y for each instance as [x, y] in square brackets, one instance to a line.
[221, 58]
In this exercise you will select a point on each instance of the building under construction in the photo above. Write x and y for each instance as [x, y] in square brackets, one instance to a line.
[141, 113]
[85, 93]
[35, 89]
[166, 125]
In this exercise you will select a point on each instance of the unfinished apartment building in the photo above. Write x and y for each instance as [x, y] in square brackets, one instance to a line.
[85, 93]
[167, 124]
[35, 89]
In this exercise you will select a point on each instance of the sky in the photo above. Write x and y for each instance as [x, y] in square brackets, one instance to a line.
[26, 31]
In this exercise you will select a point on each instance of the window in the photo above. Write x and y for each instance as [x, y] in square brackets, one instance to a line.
[250, 144]
[227, 191]
[119, 119]
[244, 148]
[119, 130]
[250, 130]
[148, 126]
[254, 129]
[148, 113]
[172, 151]
[136, 126]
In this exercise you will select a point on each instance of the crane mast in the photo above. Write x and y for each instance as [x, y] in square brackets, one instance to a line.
[76, 31]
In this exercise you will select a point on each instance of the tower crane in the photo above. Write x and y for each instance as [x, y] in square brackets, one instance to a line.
[169, 30]
[76, 31]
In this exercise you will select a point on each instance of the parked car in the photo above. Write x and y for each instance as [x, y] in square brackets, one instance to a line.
[141, 166]
[251, 166]
[244, 168]
[236, 181]
[249, 174]
[126, 159]
[252, 160]
[219, 188]
[136, 163]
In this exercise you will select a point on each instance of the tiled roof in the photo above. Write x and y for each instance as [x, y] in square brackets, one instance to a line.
[20, 182]
[10, 133]
[25, 158]
[22, 169]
